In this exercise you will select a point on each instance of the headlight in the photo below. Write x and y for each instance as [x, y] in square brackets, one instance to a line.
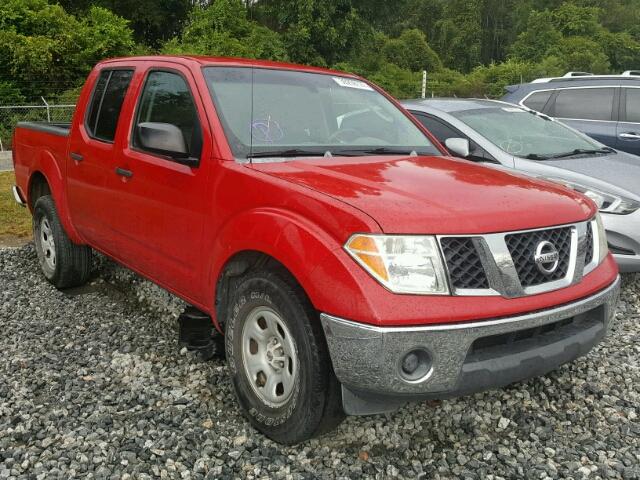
[603, 247]
[403, 264]
[606, 202]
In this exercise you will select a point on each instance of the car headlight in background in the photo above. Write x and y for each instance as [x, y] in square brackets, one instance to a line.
[606, 202]
[402, 263]
[603, 247]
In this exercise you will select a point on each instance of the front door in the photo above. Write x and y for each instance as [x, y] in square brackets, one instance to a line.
[163, 204]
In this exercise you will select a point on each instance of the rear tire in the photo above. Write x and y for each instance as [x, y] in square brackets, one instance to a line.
[278, 360]
[63, 263]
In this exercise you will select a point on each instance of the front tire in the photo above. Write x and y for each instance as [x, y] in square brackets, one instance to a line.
[278, 360]
[63, 263]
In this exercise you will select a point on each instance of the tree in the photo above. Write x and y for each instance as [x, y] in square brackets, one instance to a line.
[316, 32]
[152, 21]
[581, 53]
[411, 51]
[223, 29]
[458, 37]
[44, 50]
[540, 36]
[573, 20]
[622, 50]
[399, 82]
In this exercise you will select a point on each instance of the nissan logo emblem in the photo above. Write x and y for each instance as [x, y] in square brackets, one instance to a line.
[546, 257]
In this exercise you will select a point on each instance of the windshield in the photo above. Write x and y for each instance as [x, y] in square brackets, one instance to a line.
[524, 133]
[289, 113]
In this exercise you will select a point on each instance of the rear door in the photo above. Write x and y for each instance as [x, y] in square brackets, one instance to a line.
[162, 204]
[91, 154]
[629, 126]
[591, 110]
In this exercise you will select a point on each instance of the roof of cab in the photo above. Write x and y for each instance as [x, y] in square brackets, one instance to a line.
[449, 105]
[227, 61]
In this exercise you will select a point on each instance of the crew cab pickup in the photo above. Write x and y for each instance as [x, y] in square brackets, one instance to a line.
[351, 264]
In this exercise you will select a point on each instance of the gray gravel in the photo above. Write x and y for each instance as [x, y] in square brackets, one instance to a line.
[92, 385]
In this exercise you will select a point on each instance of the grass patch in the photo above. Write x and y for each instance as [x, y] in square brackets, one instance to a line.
[15, 221]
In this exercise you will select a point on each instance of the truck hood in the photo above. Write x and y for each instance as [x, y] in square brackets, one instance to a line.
[435, 195]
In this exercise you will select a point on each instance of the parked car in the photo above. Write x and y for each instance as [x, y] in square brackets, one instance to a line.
[605, 107]
[507, 136]
[352, 265]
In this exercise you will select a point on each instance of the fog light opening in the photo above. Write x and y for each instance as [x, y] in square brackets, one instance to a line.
[415, 365]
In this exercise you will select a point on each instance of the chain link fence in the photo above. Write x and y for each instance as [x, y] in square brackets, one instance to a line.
[10, 115]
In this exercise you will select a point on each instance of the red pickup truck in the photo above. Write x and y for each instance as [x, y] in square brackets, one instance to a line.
[350, 263]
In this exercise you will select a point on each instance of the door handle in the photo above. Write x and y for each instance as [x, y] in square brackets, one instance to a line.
[630, 136]
[76, 157]
[124, 173]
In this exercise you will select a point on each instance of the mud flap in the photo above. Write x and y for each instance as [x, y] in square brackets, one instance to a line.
[197, 334]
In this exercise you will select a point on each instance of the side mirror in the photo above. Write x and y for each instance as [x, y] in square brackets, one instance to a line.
[458, 146]
[165, 139]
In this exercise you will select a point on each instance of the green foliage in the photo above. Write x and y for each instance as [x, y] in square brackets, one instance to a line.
[43, 49]
[572, 20]
[539, 37]
[468, 47]
[399, 82]
[316, 32]
[223, 29]
[622, 50]
[152, 21]
[582, 54]
[411, 51]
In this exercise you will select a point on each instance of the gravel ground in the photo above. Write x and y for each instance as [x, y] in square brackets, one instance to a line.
[92, 385]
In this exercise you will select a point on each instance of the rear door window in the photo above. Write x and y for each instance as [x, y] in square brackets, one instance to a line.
[632, 105]
[537, 100]
[585, 103]
[106, 103]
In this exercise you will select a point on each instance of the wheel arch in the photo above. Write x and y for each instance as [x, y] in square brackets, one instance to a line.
[46, 178]
[282, 240]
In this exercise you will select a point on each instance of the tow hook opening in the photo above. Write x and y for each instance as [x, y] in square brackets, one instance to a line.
[416, 365]
[196, 333]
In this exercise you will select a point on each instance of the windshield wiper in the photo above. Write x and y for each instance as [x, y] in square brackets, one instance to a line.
[292, 152]
[577, 151]
[582, 151]
[535, 156]
[376, 151]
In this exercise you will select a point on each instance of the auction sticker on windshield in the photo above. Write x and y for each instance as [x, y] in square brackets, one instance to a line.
[352, 83]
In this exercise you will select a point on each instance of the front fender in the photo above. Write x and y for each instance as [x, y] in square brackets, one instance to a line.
[45, 164]
[331, 280]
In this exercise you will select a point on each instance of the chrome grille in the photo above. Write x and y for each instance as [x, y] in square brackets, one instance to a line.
[522, 247]
[504, 263]
[463, 262]
[588, 256]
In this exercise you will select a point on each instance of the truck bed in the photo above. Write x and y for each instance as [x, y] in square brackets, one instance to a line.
[39, 146]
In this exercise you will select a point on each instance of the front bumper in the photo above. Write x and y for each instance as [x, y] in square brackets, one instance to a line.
[623, 235]
[461, 358]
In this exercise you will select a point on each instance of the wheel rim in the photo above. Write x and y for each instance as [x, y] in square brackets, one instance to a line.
[270, 357]
[47, 244]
